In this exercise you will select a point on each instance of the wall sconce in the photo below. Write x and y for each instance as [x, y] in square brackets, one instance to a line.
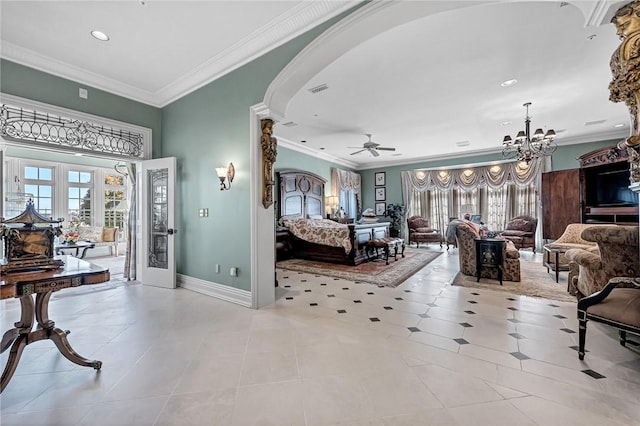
[225, 173]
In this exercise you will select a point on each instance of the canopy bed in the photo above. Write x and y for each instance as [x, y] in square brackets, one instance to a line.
[301, 201]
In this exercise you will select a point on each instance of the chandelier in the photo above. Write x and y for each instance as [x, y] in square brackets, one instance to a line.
[526, 147]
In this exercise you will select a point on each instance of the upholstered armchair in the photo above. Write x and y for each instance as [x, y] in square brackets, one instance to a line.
[421, 232]
[521, 231]
[466, 234]
[618, 256]
[617, 305]
[571, 239]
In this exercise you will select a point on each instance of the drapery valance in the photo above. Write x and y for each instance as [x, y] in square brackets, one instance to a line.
[344, 180]
[493, 176]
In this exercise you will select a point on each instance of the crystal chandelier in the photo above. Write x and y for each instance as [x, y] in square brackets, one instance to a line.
[526, 147]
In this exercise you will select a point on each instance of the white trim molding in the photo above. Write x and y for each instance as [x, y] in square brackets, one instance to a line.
[219, 291]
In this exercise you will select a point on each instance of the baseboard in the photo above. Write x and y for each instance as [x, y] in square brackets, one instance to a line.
[219, 291]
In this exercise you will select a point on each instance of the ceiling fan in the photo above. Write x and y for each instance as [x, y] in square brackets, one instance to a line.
[370, 146]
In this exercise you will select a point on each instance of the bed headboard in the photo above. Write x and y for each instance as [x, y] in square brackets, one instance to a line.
[301, 193]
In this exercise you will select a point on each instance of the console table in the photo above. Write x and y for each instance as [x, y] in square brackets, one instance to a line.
[489, 255]
[23, 285]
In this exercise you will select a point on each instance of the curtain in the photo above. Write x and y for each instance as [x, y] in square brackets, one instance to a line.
[130, 272]
[497, 192]
[345, 181]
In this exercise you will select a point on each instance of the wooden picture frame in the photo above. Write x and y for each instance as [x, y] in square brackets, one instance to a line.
[381, 179]
[381, 193]
[381, 208]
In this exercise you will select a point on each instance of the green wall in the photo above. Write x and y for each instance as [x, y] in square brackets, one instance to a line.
[210, 128]
[564, 158]
[29, 83]
[295, 160]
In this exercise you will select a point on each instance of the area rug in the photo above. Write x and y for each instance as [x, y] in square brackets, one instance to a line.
[535, 282]
[375, 272]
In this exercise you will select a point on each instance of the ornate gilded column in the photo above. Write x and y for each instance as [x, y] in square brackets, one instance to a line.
[625, 84]
[269, 146]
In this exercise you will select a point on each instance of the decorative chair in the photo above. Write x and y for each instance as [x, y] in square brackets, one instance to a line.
[466, 234]
[618, 256]
[521, 231]
[571, 239]
[614, 306]
[421, 232]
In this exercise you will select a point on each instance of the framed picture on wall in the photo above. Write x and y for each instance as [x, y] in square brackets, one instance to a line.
[381, 194]
[380, 178]
[380, 209]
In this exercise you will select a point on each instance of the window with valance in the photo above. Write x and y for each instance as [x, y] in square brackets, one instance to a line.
[347, 187]
[497, 192]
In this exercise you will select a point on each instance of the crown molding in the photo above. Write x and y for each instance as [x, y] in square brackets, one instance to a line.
[29, 58]
[314, 153]
[273, 34]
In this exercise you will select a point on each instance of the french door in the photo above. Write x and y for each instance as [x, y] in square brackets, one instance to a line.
[157, 200]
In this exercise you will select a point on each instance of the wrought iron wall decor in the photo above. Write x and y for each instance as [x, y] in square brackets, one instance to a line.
[49, 129]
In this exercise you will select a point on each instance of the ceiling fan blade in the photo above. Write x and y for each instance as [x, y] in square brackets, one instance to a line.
[374, 152]
[357, 152]
[382, 148]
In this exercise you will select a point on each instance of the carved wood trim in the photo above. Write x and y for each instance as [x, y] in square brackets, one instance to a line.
[269, 146]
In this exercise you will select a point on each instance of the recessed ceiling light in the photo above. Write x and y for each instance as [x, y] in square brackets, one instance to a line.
[505, 123]
[396, 155]
[508, 83]
[303, 141]
[321, 149]
[100, 35]
[592, 36]
[619, 125]
[463, 143]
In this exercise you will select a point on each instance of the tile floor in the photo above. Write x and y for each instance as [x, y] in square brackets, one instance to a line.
[327, 352]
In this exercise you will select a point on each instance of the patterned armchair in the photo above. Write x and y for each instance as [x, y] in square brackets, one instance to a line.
[466, 234]
[521, 231]
[619, 256]
[421, 232]
[571, 239]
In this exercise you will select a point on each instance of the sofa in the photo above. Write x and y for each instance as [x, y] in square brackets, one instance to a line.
[466, 234]
[521, 231]
[101, 236]
[618, 255]
[421, 232]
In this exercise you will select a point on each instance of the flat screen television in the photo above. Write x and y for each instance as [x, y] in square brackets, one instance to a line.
[610, 188]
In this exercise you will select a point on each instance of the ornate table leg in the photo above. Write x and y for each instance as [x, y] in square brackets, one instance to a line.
[20, 338]
[58, 336]
[22, 335]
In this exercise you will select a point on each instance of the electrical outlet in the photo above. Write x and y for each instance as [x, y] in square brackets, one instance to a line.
[233, 272]
[83, 93]
[217, 268]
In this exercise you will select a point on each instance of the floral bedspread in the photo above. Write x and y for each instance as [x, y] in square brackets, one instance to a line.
[321, 231]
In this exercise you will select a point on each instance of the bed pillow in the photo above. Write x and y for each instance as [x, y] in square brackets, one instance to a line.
[314, 216]
[288, 218]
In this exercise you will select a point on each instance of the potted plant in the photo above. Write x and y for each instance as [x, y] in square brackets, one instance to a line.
[395, 212]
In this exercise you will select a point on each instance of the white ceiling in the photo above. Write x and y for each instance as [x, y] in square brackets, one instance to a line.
[418, 75]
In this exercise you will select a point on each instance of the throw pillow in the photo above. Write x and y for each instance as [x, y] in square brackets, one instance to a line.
[519, 224]
[109, 234]
[424, 230]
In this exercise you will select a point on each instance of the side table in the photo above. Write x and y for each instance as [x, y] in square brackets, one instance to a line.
[489, 255]
[554, 266]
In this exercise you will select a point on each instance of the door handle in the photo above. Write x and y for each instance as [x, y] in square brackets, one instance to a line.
[171, 231]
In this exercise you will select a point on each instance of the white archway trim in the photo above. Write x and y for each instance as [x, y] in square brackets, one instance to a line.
[263, 290]
[363, 24]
